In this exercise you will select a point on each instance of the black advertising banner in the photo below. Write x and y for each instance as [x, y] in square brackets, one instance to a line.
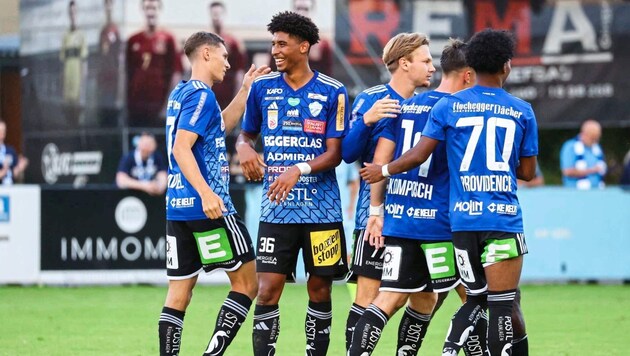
[570, 56]
[105, 229]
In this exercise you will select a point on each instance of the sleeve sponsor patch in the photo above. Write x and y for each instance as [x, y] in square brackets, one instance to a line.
[341, 111]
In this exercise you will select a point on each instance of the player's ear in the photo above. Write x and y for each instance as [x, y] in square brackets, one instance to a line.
[304, 47]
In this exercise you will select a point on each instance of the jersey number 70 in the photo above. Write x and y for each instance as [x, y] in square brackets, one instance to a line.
[477, 122]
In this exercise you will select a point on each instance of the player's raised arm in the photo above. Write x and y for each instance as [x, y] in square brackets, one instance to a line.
[234, 111]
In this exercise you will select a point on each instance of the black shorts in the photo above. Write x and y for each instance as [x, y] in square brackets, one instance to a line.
[405, 267]
[323, 249]
[475, 250]
[222, 244]
[367, 261]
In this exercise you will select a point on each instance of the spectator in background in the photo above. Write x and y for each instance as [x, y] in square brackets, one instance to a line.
[582, 159]
[143, 169]
[320, 57]
[12, 165]
[226, 89]
[153, 68]
[110, 63]
[537, 181]
[72, 55]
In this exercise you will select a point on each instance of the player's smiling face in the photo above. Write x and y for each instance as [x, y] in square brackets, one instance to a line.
[217, 62]
[421, 66]
[287, 51]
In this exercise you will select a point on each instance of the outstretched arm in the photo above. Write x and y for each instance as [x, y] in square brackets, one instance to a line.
[373, 173]
[234, 111]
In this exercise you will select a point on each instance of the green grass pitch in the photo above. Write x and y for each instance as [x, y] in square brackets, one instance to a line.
[561, 320]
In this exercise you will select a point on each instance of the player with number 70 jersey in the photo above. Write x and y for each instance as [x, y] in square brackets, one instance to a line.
[486, 130]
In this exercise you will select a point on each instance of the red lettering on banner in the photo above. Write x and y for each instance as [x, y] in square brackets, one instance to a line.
[517, 18]
[370, 19]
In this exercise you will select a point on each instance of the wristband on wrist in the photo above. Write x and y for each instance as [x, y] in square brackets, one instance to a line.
[384, 171]
[304, 168]
[377, 210]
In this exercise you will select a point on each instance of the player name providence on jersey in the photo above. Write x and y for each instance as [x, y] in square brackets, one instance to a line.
[416, 205]
[483, 126]
[363, 103]
[192, 106]
[294, 125]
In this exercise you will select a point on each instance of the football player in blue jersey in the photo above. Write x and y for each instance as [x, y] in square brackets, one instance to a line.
[301, 115]
[419, 251]
[371, 109]
[491, 140]
[203, 231]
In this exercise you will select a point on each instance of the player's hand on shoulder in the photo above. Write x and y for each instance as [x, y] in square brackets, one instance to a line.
[254, 73]
[372, 173]
[212, 205]
[279, 190]
[382, 108]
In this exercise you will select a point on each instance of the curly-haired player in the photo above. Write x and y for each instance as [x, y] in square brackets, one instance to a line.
[301, 115]
[491, 139]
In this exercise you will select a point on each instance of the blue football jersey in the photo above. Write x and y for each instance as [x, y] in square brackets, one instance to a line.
[416, 204]
[294, 126]
[486, 131]
[361, 141]
[193, 107]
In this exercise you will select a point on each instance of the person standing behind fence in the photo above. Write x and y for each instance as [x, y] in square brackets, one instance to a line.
[582, 158]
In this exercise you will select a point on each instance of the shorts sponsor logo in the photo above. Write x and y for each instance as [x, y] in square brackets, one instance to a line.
[440, 259]
[471, 207]
[315, 108]
[326, 247]
[499, 250]
[214, 246]
[130, 215]
[319, 97]
[391, 263]
[314, 126]
[463, 263]
[268, 260]
[178, 203]
[5, 208]
[172, 260]
[504, 209]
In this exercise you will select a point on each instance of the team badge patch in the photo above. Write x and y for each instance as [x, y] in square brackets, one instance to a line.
[272, 116]
[315, 108]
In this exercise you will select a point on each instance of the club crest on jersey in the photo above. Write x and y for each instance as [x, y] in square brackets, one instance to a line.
[272, 115]
[315, 108]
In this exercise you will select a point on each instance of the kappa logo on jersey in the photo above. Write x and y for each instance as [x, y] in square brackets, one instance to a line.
[293, 113]
[274, 91]
[315, 108]
[316, 96]
[272, 115]
[314, 126]
[471, 207]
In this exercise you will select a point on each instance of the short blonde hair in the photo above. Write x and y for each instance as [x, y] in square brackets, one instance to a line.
[401, 46]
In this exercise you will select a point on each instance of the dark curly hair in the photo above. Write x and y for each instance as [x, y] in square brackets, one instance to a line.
[295, 25]
[488, 50]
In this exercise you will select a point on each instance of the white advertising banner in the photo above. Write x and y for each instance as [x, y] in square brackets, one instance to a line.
[19, 234]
